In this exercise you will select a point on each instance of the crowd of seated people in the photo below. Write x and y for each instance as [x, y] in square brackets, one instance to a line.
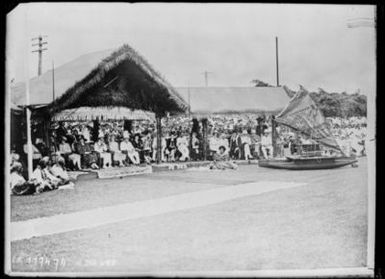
[244, 137]
[45, 177]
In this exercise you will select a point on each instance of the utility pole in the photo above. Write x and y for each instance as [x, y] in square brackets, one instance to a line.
[189, 104]
[40, 50]
[206, 74]
[53, 81]
[276, 59]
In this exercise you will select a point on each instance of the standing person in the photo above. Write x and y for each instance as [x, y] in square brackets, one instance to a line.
[194, 147]
[101, 148]
[235, 144]
[138, 145]
[146, 139]
[171, 146]
[127, 148]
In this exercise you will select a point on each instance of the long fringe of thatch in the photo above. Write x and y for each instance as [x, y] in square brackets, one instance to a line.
[102, 113]
[96, 76]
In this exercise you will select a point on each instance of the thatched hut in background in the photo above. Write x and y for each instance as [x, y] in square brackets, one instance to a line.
[123, 85]
[123, 79]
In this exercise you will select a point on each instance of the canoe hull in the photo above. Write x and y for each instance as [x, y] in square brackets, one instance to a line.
[307, 163]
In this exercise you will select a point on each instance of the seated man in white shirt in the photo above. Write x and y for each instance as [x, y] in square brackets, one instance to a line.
[66, 151]
[267, 144]
[127, 148]
[117, 154]
[101, 148]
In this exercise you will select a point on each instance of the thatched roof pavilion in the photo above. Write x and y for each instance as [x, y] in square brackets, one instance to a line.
[123, 79]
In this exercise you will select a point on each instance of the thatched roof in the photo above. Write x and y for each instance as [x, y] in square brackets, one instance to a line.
[219, 100]
[123, 79]
[102, 113]
[66, 76]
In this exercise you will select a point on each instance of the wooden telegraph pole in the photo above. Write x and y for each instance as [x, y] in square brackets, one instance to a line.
[40, 50]
[276, 59]
[206, 74]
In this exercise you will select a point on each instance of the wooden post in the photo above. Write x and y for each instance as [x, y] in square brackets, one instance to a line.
[204, 132]
[276, 59]
[273, 136]
[158, 138]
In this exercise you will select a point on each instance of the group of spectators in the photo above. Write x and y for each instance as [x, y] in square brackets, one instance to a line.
[350, 133]
[94, 145]
[45, 177]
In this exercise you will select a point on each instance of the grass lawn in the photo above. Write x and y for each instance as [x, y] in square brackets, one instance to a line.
[320, 225]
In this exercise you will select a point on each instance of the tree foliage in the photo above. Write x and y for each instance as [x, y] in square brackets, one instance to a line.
[337, 104]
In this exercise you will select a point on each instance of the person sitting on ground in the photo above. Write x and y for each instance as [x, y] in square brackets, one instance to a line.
[101, 148]
[42, 178]
[117, 155]
[127, 148]
[222, 160]
[66, 151]
[19, 186]
[89, 158]
[58, 170]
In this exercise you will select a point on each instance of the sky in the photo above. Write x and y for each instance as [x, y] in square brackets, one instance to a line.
[234, 42]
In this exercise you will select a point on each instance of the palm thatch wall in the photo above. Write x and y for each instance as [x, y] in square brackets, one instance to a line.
[124, 79]
[102, 113]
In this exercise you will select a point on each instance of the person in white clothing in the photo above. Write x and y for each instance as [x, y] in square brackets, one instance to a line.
[182, 145]
[117, 154]
[58, 170]
[267, 144]
[102, 149]
[127, 148]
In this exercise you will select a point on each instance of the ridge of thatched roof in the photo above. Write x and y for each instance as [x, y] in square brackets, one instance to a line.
[97, 77]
